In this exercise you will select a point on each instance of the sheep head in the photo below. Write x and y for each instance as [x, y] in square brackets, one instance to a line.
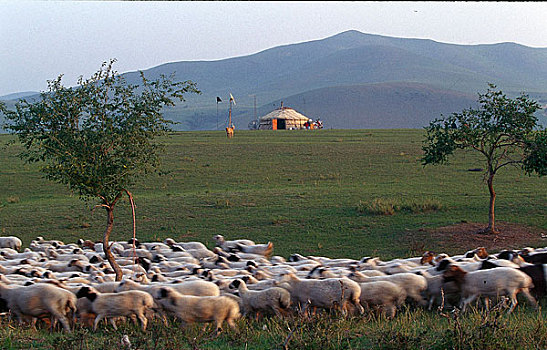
[427, 258]
[454, 273]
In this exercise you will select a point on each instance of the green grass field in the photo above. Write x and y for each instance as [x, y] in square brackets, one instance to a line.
[301, 190]
[307, 192]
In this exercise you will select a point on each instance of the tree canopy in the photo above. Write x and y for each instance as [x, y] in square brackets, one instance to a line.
[505, 131]
[99, 136]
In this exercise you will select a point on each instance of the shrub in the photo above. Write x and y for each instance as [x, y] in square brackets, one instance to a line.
[389, 206]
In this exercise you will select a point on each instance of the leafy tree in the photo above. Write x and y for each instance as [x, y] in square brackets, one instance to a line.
[504, 130]
[97, 137]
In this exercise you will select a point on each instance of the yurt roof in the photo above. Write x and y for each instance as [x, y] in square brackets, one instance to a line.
[284, 113]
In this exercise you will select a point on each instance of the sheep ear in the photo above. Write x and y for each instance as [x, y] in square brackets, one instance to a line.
[82, 293]
[236, 283]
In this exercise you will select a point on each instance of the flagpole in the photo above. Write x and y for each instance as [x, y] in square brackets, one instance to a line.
[217, 114]
[230, 115]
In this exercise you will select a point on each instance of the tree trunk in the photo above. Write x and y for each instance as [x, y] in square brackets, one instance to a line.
[106, 245]
[491, 224]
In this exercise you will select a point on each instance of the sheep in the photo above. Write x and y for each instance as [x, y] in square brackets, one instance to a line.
[536, 258]
[480, 252]
[107, 305]
[537, 272]
[258, 249]
[274, 299]
[499, 281]
[322, 272]
[327, 293]
[38, 300]
[437, 288]
[185, 245]
[383, 294]
[413, 284]
[192, 309]
[230, 245]
[196, 287]
[10, 242]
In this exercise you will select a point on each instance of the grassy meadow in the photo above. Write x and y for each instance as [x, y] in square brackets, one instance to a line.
[318, 192]
[308, 192]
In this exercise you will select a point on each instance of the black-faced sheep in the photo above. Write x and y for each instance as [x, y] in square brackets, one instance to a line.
[108, 305]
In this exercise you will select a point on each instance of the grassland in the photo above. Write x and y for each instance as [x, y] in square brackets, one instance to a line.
[301, 190]
[308, 192]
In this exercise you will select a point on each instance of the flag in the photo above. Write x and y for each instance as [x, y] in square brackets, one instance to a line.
[218, 99]
[232, 99]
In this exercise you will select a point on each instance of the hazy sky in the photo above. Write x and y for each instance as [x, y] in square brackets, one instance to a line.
[41, 39]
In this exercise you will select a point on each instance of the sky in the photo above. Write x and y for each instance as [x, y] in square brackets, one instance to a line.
[39, 40]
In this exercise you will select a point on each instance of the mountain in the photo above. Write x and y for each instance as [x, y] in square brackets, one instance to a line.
[18, 95]
[322, 71]
[354, 80]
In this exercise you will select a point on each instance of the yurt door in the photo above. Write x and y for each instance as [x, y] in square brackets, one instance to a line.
[281, 124]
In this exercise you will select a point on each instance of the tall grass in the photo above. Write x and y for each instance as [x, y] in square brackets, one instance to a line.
[411, 329]
[389, 206]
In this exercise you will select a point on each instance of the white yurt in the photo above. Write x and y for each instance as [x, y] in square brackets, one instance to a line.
[283, 118]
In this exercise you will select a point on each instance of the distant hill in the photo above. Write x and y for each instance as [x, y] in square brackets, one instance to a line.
[444, 77]
[18, 95]
[382, 105]
[354, 79]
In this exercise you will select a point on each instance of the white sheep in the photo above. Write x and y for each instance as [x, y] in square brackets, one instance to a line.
[231, 245]
[38, 300]
[192, 309]
[413, 284]
[194, 287]
[382, 294]
[258, 249]
[499, 281]
[330, 293]
[108, 305]
[274, 299]
[10, 242]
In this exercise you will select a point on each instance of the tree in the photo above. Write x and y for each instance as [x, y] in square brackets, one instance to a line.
[97, 137]
[504, 130]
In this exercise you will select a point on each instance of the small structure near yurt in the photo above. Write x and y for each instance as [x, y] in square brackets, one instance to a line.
[283, 118]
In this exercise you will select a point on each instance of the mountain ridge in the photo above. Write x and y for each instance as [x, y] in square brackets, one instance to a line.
[352, 58]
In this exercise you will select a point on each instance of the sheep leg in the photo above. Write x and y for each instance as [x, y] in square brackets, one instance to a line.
[466, 301]
[112, 321]
[358, 306]
[389, 310]
[218, 327]
[430, 303]
[487, 303]
[143, 320]
[231, 323]
[514, 303]
[55, 316]
[97, 320]
[530, 298]
[418, 298]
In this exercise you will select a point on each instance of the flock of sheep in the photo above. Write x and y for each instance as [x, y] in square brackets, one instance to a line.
[56, 282]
